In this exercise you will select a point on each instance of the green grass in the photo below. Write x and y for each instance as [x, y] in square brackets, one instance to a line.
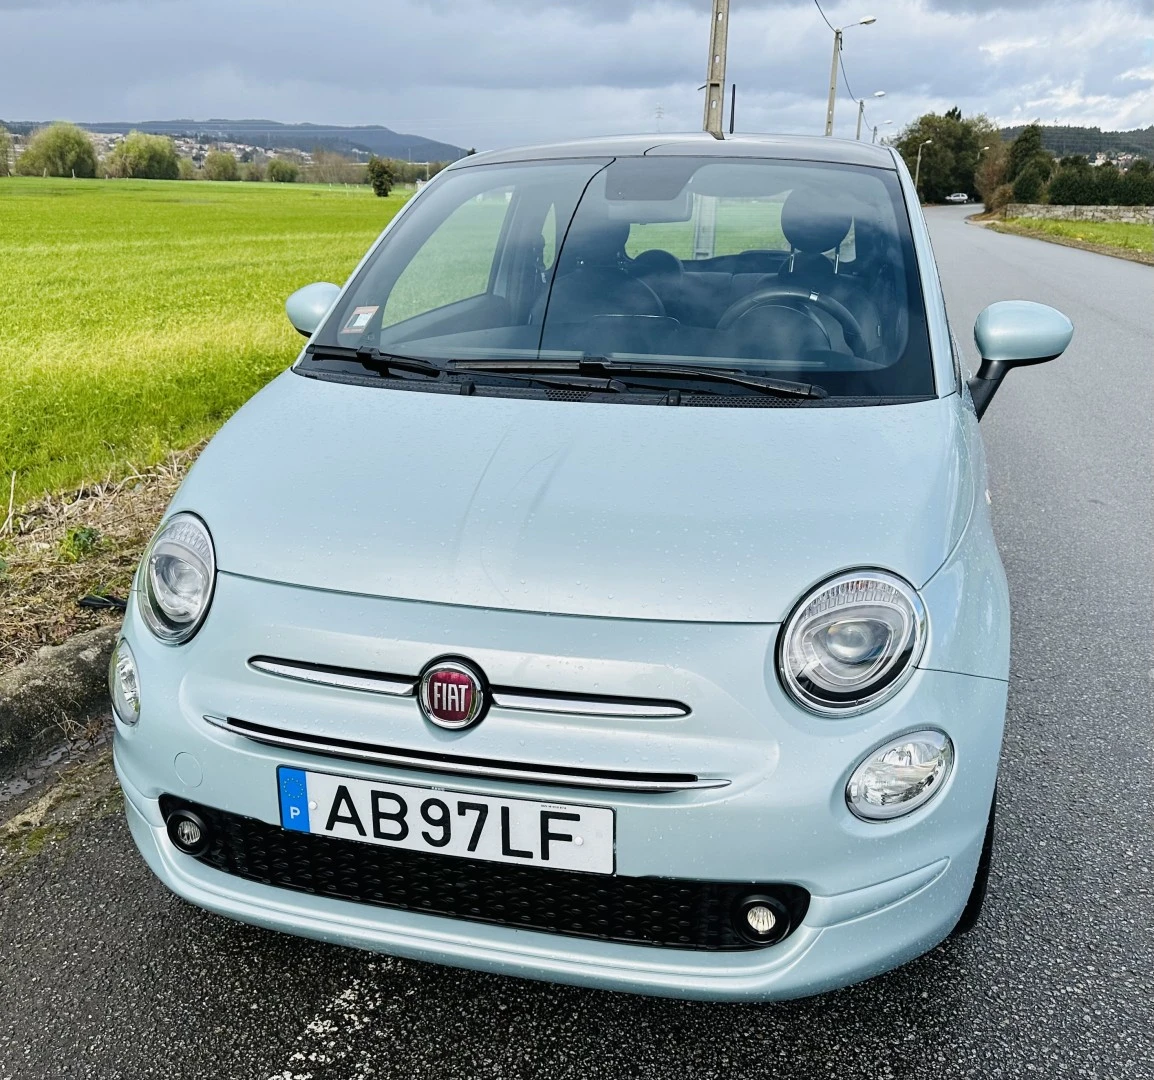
[136, 316]
[742, 225]
[1115, 234]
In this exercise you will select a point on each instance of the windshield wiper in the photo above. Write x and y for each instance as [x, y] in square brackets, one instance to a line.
[375, 360]
[601, 365]
[385, 362]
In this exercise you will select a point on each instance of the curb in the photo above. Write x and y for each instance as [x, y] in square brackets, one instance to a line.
[43, 700]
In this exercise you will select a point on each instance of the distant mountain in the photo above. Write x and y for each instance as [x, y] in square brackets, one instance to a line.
[1063, 139]
[369, 139]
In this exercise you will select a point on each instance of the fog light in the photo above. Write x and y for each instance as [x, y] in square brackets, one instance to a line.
[124, 684]
[188, 832]
[901, 776]
[761, 920]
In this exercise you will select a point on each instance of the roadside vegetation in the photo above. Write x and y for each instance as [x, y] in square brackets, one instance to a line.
[138, 315]
[1128, 241]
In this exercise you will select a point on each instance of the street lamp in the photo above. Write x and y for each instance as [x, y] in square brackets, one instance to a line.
[875, 138]
[918, 167]
[861, 111]
[837, 33]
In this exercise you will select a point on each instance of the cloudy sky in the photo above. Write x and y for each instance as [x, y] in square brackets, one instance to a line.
[490, 73]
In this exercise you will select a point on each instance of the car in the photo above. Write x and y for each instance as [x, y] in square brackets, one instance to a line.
[958, 197]
[606, 595]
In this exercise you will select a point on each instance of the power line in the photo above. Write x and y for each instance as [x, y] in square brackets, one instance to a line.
[822, 14]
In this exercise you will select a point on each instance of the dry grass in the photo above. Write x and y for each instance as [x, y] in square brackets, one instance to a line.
[59, 549]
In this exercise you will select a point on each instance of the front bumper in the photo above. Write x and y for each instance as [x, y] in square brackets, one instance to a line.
[880, 893]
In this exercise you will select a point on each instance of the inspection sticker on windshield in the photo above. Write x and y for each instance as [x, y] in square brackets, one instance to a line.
[359, 319]
[437, 821]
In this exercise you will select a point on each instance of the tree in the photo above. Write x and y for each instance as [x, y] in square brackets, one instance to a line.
[58, 150]
[1073, 183]
[1023, 150]
[1109, 184]
[951, 158]
[143, 157]
[329, 167]
[1136, 187]
[254, 171]
[220, 165]
[1030, 183]
[187, 169]
[380, 176]
[5, 152]
[280, 171]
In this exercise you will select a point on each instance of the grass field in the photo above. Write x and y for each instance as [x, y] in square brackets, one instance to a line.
[1111, 237]
[135, 316]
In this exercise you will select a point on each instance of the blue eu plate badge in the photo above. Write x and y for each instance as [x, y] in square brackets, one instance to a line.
[294, 799]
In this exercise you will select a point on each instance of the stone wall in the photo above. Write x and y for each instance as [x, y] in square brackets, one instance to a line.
[1133, 215]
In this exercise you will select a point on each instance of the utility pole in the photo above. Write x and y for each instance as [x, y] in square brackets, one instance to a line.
[715, 73]
[833, 81]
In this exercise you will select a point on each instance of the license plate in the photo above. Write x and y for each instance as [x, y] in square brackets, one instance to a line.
[442, 822]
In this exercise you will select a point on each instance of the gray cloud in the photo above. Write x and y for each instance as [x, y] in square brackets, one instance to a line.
[492, 72]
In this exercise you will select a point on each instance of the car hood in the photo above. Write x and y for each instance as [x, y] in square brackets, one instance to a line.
[714, 514]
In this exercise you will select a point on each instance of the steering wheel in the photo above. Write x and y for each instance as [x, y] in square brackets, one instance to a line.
[851, 328]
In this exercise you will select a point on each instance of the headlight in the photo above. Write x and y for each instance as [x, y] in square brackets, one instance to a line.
[900, 776]
[124, 684]
[176, 579]
[852, 642]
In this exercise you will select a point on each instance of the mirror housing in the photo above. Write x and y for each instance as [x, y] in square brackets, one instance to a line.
[308, 306]
[1015, 333]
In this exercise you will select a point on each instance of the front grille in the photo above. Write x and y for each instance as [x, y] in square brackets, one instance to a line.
[671, 912]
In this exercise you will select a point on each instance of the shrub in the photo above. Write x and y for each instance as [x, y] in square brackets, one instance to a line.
[187, 170]
[1001, 197]
[254, 171]
[1029, 184]
[220, 165]
[143, 157]
[5, 152]
[1136, 188]
[58, 150]
[380, 176]
[78, 543]
[1074, 184]
[280, 171]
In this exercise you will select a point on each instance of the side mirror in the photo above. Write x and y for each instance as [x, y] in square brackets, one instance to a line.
[306, 307]
[1015, 333]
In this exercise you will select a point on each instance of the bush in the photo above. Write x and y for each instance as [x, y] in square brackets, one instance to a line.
[254, 171]
[280, 171]
[5, 152]
[220, 165]
[143, 157]
[1029, 184]
[58, 150]
[1001, 197]
[187, 170]
[1074, 184]
[380, 176]
[1136, 188]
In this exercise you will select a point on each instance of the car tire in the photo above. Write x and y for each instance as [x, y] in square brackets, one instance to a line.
[972, 912]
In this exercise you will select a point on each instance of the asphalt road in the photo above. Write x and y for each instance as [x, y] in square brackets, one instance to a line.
[105, 975]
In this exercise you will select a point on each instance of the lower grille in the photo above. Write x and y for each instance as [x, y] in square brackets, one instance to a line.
[671, 912]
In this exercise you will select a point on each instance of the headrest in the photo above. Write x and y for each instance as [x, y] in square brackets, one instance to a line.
[598, 243]
[812, 223]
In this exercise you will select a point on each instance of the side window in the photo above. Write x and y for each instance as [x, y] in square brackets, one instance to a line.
[455, 262]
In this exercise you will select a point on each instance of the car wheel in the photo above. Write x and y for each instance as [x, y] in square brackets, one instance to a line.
[973, 909]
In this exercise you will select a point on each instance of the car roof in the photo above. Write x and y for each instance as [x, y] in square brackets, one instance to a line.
[698, 144]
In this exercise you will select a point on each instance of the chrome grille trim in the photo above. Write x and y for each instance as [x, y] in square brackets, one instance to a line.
[578, 705]
[503, 697]
[604, 780]
[341, 678]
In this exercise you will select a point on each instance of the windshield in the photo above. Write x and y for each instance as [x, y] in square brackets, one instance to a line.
[794, 270]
